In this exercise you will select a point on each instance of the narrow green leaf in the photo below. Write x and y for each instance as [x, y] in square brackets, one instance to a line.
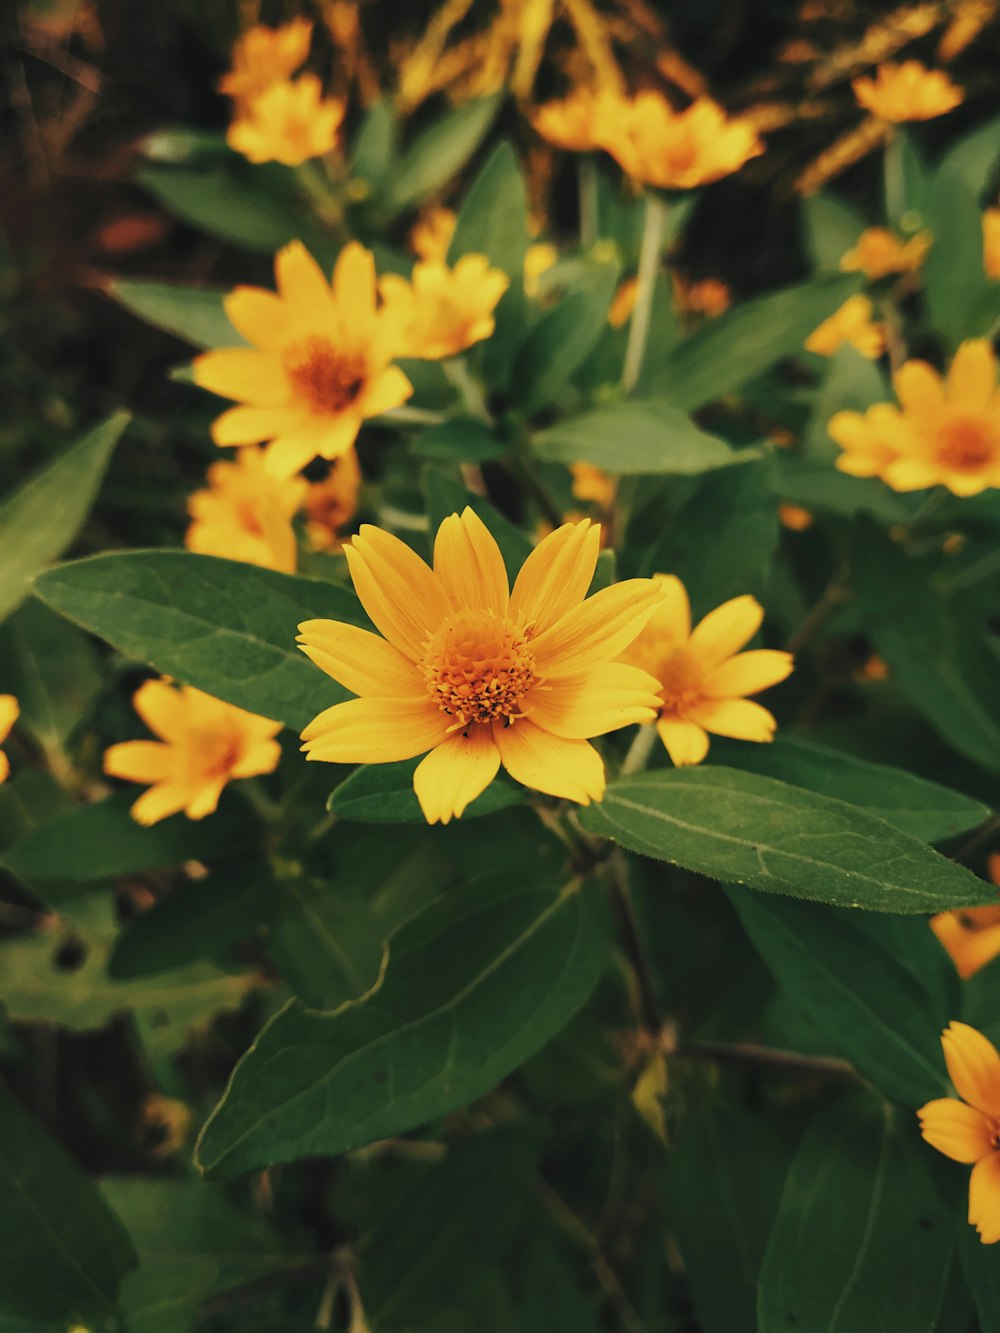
[832, 227]
[52, 670]
[458, 440]
[328, 944]
[194, 314]
[501, 234]
[634, 436]
[446, 494]
[376, 147]
[441, 151]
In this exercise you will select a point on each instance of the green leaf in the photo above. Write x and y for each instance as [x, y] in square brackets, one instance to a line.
[755, 831]
[28, 801]
[383, 794]
[376, 147]
[458, 440]
[62, 1251]
[861, 1243]
[980, 1266]
[501, 234]
[441, 151]
[551, 1301]
[446, 494]
[52, 670]
[633, 436]
[832, 227]
[328, 944]
[475, 985]
[223, 626]
[40, 519]
[194, 314]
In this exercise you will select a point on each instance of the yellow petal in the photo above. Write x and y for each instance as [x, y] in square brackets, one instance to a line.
[556, 575]
[455, 773]
[258, 757]
[973, 1066]
[257, 315]
[973, 375]
[596, 630]
[685, 742]
[919, 388]
[984, 1198]
[161, 707]
[9, 712]
[959, 1131]
[672, 617]
[375, 731]
[252, 425]
[603, 699]
[359, 660]
[725, 630]
[910, 474]
[403, 597]
[385, 392]
[138, 761]
[297, 446]
[571, 769]
[742, 719]
[469, 565]
[242, 373]
[4, 767]
[354, 288]
[204, 799]
[301, 281]
[747, 673]
[160, 802]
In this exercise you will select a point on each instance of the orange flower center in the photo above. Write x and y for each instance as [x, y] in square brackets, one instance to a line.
[215, 751]
[680, 683]
[478, 666]
[966, 444]
[325, 375]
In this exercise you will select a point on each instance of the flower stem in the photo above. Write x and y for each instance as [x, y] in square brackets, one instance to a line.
[469, 390]
[586, 175]
[649, 264]
[895, 184]
[316, 184]
[640, 750]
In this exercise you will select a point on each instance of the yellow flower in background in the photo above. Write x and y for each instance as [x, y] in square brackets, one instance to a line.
[971, 936]
[853, 324]
[431, 234]
[879, 252]
[704, 678]
[203, 744]
[263, 56]
[707, 296]
[332, 503]
[969, 1130]
[443, 310]
[245, 513]
[623, 304]
[946, 432]
[9, 712]
[568, 123]
[991, 243]
[477, 675]
[674, 150]
[909, 91]
[538, 260]
[319, 364]
[289, 122]
[795, 518]
[593, 485]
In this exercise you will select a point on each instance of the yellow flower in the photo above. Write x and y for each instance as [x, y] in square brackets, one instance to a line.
[568, 123]
[443, 310]
[853, 324]
[795, 518]
[908, 91]
[590, 483]
[288, 122]
[319, 365]
[879, 252]
[538, 260]
[709, 296]
[703, 676]
[477, 675]
[969, 1130]
[971, 936]
[946, 433]
[332, 503]
[624, 303]
[991, 243]
[246, 513]
[9, 711]
[431, 234]
[264, 56]
[203, 744]
[164, 1123]
[674, 150]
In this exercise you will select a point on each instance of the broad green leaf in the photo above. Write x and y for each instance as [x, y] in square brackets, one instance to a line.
[194, 314]
[328, 943]
[868, 1008]
[27, 801]
[182, 146]
[635, 436]
[861, 1243]
[851, 382]
[383, 794]
[375, 149]
[223, 626]
[832, 227]
[458, 440]
[501, 234]
[62, 1251]
[441, 151]
[756, 831]
[551, 1300]
[52, 670]
[980, 1000]
[40, 519]
[446, 494]
[475, 985]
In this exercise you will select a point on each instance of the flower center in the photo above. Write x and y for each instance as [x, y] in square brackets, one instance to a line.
[680, 683]
[478, 666]
[326, 376]
[215, 752]
[965, 444]
[995, 1133]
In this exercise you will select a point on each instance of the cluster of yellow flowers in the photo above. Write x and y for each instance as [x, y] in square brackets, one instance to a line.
[9, 712]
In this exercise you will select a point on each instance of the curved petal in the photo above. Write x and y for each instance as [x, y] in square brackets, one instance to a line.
[4, 767]
[163, 708]
[597, 630]
[360, 661]
[742, 719]
[685, 742]
[973, 1066]
[301, 282]
[984, 1198]
[336, 435]
[556, 575]
[386, 391]
[375, 731]
[259, 316]
[401, 594]
[291, 451]
[252, 425]
[354, 289]
[608, 697]
[725, 630]
[468, 563]
[973, 375]
[204, 799]
[910, 474]
[455, 773]
[139, 761]
[9, 712]
[259, 757]
[160, 802]
[571, 769]
[748, 673]
[242, 373]
[959, 1131]
[919, 388]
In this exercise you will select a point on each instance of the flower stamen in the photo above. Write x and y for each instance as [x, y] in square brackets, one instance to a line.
[328, 378]
[478, 666]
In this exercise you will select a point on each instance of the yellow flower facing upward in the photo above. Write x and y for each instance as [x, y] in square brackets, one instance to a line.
[9, 712]
[263, 56]
[568, 123]
[203, 744]
[288, 122]
[245, 513]
[909, 91]
[538, 260]
[703, 677]
[969, 1130]
[674, 150]
[332, 503]
[879, 252]
[319, 364]
[971, 936]
[477, 675]
[431, 235]
[991, 244]
[946, 431]
[853, 324]
[443, 310]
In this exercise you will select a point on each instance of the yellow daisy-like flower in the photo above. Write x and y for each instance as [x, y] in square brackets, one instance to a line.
[538, 260]
[593, 485]
[853, 324]
[431, 234]
[909, 91]
[319, 364]
[477, 675]
[443, 310]
[991, 244]
[568, 123]
[246, 513]
[288, 122]
[204, 743]
[332, 503]
[969, 1130]
[263, 56]
[674, 150]
[703, 677]
[879, 252]
[946, 432]
[9, 712]
[971, 936]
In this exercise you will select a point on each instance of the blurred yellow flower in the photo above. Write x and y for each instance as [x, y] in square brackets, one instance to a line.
[873, 670]
[332, 503]
[969, 1130]
[477, 675]
[624, 303]
[908, 91]
[263, 56]
[539, 259]
[971, 936]
[702, 674]
[795, 518]
[708, 296]
[568, 123]
[288, 122]
[245, 513]
[165, 1123]
[991, 243]
[320, 363]
[593, 485]
[879, 252]
[443, 310]
[431, 234]
[947, 431]
[9, 712]
[204, 743]
[853, 324]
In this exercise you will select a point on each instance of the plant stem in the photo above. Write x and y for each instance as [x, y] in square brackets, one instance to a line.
[649, 266]
[982, 569]
[469, 390]
[522, 464]
[640, 750]
[586, 175]
[836, 592]
[635, 946]
[892, 168]
[749, 1053]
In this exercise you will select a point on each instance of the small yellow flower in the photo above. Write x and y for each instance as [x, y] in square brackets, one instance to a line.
[624, 303]
[164, 1122]
[873, 670]
[908, 91]
[969, 1130]
[853, 324]
[264, 56]
[538, 260]
[9, 712]
[320, 363]
[947, 431]
[204, 743]
[971, 936]
[477, 675]
[708, 296]
[246, 513]
[593, 485]
[443, 310]
[288, 122]
[568, 123]
[795, 518]
[991, 243]
[704, 678]
[332, 503]
[879, 252]
[431, 234]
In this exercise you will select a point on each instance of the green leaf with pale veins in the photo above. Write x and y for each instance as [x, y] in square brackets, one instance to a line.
[441, 151]
[194, 314]
[643, 436]
[327, 942]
